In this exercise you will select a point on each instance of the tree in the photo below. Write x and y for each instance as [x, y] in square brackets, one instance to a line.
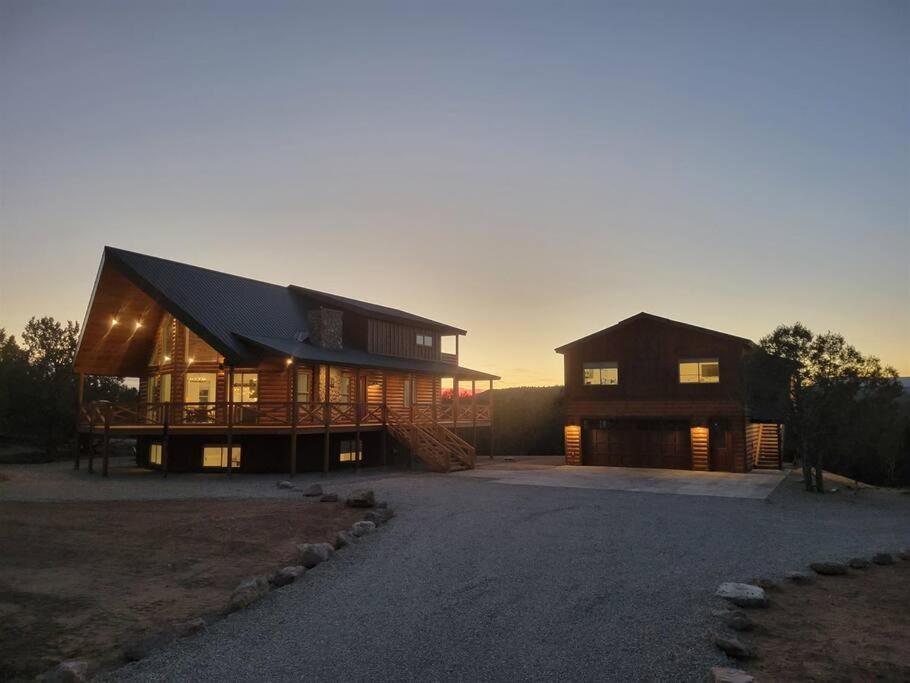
[841, 407]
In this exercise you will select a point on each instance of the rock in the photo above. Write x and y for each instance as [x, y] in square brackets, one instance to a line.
[313, 490]
[883, 558]
[802, 578]
[143, 647]
[723, 674]
[733, 647]
[742, 594]
[765, 584]
[343, 538]
[287, 575]
[362, 528]
[738, 621]
[378, 517]
[904, 554]
[362, 498]
[188, 628]
[829, 568]
[285, 485]
[329, 498]
[249, 591]
[311, 554]
[70, 671]
[859, 563]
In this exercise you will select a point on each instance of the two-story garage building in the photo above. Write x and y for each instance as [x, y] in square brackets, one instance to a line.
[653, 392]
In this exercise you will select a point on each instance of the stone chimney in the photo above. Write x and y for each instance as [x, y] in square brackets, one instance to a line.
[325, 327]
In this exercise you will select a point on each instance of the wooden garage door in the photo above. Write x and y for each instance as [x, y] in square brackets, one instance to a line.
[644, 443]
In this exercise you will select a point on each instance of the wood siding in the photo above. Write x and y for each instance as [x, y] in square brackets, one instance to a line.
[391, 339]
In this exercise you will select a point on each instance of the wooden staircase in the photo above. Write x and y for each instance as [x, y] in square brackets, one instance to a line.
[440, 448]
[767, 455]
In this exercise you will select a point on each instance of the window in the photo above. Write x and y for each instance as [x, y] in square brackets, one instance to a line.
[348, 451]
[216, 456]
[303, 386]
[159, 388]
[699, 371]
[198, 351]
[424, 340]
[601, 373]
[164, 344]
[155, 454]
[199, 392]
[245, 388]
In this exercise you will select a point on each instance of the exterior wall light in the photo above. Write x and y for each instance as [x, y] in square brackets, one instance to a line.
[114, 321]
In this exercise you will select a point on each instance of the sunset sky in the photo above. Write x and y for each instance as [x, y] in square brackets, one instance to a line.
[529, 171]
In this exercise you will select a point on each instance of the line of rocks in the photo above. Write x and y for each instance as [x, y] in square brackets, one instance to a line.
[251, 590]
[755, 595]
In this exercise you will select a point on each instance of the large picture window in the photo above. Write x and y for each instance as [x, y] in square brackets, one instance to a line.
[199, 393]
[216, 456]
[245, 388]
[699, 371]
[159, 388]
[601, 373]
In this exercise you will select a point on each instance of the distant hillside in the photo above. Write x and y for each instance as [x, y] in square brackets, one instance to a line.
[528, 420]
[905, 382]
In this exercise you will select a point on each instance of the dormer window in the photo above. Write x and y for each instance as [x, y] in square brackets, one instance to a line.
[601, 373]
[699, 371]
[425, 340]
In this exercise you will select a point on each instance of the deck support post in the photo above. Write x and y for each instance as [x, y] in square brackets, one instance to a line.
[357, 449]
[385, 417]
[474, 411]
[91, 442]
[293, 468]
[327, 415]
[455, 402]
[230, 419]
[490, 418]
[80, 384]
[105, 449]
[165, 454]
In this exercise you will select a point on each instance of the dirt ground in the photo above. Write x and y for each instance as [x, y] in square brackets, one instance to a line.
[85, 579]
[842, 628]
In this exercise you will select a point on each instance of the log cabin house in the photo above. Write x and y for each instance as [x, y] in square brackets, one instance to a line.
[653, 392]
[238, 374]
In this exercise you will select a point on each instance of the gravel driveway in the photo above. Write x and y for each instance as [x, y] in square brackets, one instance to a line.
[476, 580]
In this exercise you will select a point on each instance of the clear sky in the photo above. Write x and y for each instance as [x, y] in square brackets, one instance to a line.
[529, 171]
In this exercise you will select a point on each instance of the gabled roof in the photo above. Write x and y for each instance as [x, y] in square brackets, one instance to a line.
[648, 316]
[231, 313]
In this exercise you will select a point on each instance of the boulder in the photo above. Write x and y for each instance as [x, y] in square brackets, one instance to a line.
[362, 528]
[285, 485]
[70, 671]
[249, 591]
[801, 578]
[904, 554]
[723, 674]
[287, 575]
[362, 498]
[733, 647]
[829, 568]
[343, 538]
[142, 648]
[329, 498]
[883, 558]
[859, 563]
[375, 516]
[313, 490]
[188, 628]
[738, 621]
[311, 554]
[742, 594]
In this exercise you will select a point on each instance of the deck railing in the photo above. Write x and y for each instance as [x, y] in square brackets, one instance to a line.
[271, 414]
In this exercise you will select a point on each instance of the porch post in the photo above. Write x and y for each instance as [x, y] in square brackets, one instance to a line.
[91, 441]
[80, 383]
[107, 440]
[455, 402]
[385, 417]
[230, 418]
[435, 398]
[490, 418]
[474, 411]
[327, 416]
[357, 418]
[293, 367]
[165, 456]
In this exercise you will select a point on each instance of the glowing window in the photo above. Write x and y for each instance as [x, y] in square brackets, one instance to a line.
[246, 387]
[155, 454]
[303, 386]
[348, 451]
[216, 456]
[601, 373]
[699, 371]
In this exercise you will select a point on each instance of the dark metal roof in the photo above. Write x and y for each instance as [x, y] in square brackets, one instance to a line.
[308, 352]
[649, 316]
[375, 310]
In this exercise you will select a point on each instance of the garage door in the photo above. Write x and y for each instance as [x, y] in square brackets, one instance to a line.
[644, 443]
